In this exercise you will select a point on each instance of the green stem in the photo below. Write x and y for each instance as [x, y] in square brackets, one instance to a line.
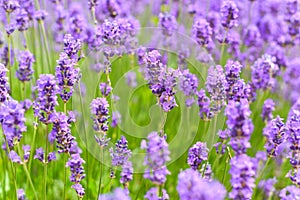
[46, 45]
[101, 172]
[46, 164]
[33, 142]
[65, 177]
[223, 47]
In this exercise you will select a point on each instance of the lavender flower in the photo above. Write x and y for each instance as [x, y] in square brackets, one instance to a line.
[40, 15]
[268, 186]
[275, 132]
[40, 155]
[156, 158]
[290, 192]
[61, 131]
[99, 108]
[168, 23]
[46, 99]
[192, 186]
[267, 110]
[201, 31]
[131, 79]
[204, 105]
[223, 135]
[76, 22]
[26, 149]
[197, 154]
[105, 89]
[243, 171]
[25, 71]
[10, 5]
[13, 121]
[152, 194]
[121, 153]
[127, 173]
[239, 124]
[4, 88]
[118, 193]
[115, 119]
[264, 72]
[229, 14]
[21, 194]
[22, 20]
[232, 74]
[79, 190]
[14, 157]
[188, 83]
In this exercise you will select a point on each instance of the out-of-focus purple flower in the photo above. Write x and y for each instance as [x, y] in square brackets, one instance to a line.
[188, 83]
[192, 186]
[197, 154]
[77, 172]
[290, 192]
[292, 6]
[93, 3]
[267, 109]
[61, 131]
[121, 153]
[294, 24]
[76, 22]
[26, 149]
[215, 85]
[252, 36]
[118, 193]
[98, 67]
[264, 72]
[275, 132]
[12, 120]
[156, 158]
[21, 194]
[4, 88]
[229, 14]
[115, 119]
[26, 104]
[14, 157]
[25, 71]
[201, 31]
[168, 23]
[105, 89]
[204, 105]
[223, 135]
[268, 186]
[40, 155]
[51, 156]
[22, 20]
[243, 171]
[152, 194]
[131, 79]
[10, 5]
[79, 190]
[127, 173]
[40, 15]
[46, 99]
[239, 125]
[100, 112]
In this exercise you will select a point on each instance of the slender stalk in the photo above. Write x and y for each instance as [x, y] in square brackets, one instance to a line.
[101, 172]
[33, 142]
[46, 164]
[4, 168]
[223, 46]
[259, 177]
[65, 160]
[9, 57]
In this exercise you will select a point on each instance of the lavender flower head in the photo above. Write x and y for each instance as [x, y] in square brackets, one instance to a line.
[192, 186]
[268, 186]
[71, 46]
[21, 194]
[25, 70]
[204, 105]
[100, 112]
[46, 99]
[10, 5]
[290, 192]
[118, 193]
[243, 171]
[115, 119]
[229, 14]
[188, 83]
[4, 88]
[239, 125]
[12, 120]
[152, 194]
[79, 190]
[201, 31]
[121, 153]
[197, 154]
[276, 134]
[268, 108]
[105, 89]
[157, 156]
[168, 23]
[14, 157]
[127, 173]
[40, 155]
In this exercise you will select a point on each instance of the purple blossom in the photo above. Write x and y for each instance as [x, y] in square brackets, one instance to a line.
[201, 31]
[188, 83]
[252, 36]
[157, 155]
[267, 109]
[118, 193]
[100, 112]
[232, 74]
[204, 105]
[223, 135]
[25, 70]
[40, 15]
[131, 79]
[4, 88]
[75, 163]
[152, 194]
[121, 153]
[21, 194]
[76, 21]
[268, 186]
[22, 20]
[239, 125]
[10, 5]
[290, 192]
[197, 154]
[115, 119]
[168, 23]
[105, 89]
[51, 156]
[79, 190]
[192, 186]
[46, 99]
[40, 155]
[127, 173]
[12, 120]
[229, 14]
[275, 132]
[14, 157]
[243, 171]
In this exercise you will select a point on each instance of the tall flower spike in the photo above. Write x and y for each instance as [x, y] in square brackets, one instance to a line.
[188, 84]
[243, 171]
[100, 112]
[121, 153]
[25, 70]
[229, 14]
[46, 99]
[168, 23]
[197, 154]
[201, 31]
[204, 105]
[4, 88]
[13, 121]
[239, 125]
[157, 156]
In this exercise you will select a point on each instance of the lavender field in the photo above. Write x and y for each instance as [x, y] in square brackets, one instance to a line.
[150, 99]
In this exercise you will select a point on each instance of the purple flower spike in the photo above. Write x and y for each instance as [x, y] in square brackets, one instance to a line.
[229, 14]
[268, 108]
[26, 149]
[121, 153]
[10, 5]
[4, 88]
[118, 193]
[243, 172]
[152, 194]
[77, 172]
[116, 119]
[14, 157]
[290, 192]
[99, 109]
[21, 194]
[202, 31]
[156, 158]
[204, 105]
[105, 89]
[168, 23]
[197, 154]
[79, 190]
[40, 155]
[25, 71]
[268, 186]
[51, 157]
[127, 173]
